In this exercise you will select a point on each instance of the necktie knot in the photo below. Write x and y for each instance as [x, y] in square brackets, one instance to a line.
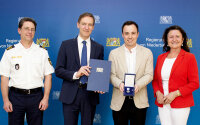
[84, 42]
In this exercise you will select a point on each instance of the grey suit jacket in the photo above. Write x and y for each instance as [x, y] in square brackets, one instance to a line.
[144, 75]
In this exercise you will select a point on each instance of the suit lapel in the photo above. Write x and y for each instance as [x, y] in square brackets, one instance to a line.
[75, 51]
[138, 58]
[122, 59]
[177, 61]
[160, 64]
[93, 47]
[175, 65]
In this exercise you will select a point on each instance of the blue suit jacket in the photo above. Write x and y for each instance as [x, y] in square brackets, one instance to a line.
[68, 63]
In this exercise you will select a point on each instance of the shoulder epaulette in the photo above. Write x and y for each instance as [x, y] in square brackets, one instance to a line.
[13, 46]
[43, 47]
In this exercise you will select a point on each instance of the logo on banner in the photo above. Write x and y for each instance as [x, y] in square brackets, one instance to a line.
[157, 120]
[56, 95]
[97, 118]
[97, 18]
[153, 42]
[8, 43]
[3, 46]
[113, 42]
[165, 19]
[189, 43]
[43, 42]
[25, 118]
[19, 18]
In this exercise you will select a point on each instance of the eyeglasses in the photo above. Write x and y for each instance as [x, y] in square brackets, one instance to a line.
[29, 29]
[85, 24]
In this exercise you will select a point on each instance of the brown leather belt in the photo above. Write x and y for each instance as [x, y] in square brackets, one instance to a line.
[26, 91]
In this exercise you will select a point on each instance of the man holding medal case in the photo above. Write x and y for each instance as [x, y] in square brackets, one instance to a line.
[131, 72]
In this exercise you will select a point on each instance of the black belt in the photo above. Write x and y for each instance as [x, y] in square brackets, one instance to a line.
[26, 91]
[129, 97]
[81, 85]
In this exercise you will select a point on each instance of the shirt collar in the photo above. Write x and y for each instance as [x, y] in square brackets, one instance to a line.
[132, 50]
[32, 46]
[80, 40]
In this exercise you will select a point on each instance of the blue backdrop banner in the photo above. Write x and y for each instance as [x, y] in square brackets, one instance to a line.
[57, 21]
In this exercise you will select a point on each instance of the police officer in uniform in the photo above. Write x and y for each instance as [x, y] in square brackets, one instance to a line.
[24, 66]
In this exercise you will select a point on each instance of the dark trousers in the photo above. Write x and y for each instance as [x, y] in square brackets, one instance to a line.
[81, 104]
[28, 104]
[129, 112]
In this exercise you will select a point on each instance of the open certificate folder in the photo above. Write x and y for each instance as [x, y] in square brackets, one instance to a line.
[129, 84]
[99, 77]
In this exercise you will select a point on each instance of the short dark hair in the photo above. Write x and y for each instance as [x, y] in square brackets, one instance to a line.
[130, 23]
[86, 14]
[25, 19]
[166, 48]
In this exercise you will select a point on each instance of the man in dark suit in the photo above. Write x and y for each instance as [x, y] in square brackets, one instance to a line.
[72, 66]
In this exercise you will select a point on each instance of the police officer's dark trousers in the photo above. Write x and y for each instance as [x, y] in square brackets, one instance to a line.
[25, 103]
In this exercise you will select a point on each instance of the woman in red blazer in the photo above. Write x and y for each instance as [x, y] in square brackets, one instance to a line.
[175, 78]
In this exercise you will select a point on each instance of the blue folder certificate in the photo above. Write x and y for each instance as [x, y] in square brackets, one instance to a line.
[99, 77]
[129, 83]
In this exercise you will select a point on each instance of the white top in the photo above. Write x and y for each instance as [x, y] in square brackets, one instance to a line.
[130, 59]
[26, 68]
[166, 68]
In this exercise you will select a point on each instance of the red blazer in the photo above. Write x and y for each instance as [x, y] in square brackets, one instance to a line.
[183, 77]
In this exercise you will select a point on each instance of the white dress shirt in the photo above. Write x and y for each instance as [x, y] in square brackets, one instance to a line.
[80, 47]
[130, 59]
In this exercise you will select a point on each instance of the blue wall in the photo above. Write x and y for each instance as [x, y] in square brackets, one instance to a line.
[57, 22]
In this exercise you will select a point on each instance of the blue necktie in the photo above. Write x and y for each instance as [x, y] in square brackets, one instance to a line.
[84, 78]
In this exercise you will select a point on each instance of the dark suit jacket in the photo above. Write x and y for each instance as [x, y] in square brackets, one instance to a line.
[68, 63]
[183, 77]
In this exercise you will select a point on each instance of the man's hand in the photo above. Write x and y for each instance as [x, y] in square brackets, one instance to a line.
[4, 90]
[8, 106]
[121, 87]
[84, 70]
[43, 104]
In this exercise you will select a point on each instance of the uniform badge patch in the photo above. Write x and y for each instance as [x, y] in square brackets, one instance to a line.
[10, 47]
[43, 47]
[17, 66]
[49, 61]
